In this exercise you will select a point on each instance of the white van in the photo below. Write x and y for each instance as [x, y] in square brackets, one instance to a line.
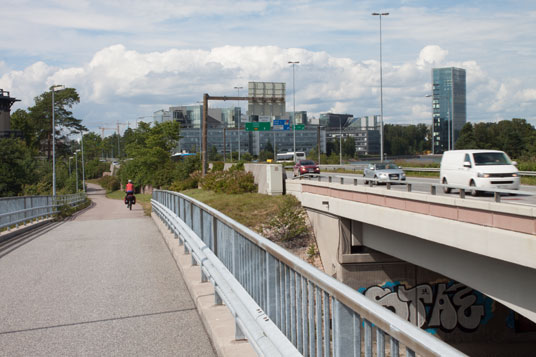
[478, 168]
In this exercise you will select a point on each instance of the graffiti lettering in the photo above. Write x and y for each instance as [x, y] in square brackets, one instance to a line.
[444, 306]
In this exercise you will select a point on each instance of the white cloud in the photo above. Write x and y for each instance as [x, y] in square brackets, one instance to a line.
[120, 84]
[431, 55]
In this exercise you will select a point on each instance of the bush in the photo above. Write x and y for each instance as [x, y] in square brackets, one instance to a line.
[218, 166]
[190, 182]
[231, 182]
[110, 183]
[288, 224]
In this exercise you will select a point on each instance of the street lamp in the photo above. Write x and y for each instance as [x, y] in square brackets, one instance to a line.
[70, 158]
[54, 88]
[294, 63]
[380, 14]
[239, 119]
[340, 142]
[76, 167]
[83, 166]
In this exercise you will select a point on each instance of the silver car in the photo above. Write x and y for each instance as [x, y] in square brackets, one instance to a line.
[384, 172]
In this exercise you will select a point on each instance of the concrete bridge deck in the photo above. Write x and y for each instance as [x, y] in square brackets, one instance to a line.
[103, 283]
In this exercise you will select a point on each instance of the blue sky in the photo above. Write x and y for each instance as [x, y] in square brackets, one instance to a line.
[130, 58]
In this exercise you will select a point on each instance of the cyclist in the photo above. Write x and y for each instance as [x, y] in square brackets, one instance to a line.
[129, 189]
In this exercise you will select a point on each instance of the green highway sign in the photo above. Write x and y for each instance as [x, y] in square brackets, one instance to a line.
[300, 126]
[258, 126]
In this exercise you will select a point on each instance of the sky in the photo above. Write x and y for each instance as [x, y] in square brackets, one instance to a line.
[128, 59]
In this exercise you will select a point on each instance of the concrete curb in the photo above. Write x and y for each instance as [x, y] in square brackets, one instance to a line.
[7, 235]
[218, 320]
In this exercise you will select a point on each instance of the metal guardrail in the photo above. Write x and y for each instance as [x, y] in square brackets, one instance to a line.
[17, 210]
[433, 187]
[314, 312]
[361, 167]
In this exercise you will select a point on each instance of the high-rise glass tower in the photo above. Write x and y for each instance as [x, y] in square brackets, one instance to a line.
[448, 107]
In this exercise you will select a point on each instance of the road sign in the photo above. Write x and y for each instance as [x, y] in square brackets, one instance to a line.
[281, 124]
[265, 118]
[257, 126]
[300, 126]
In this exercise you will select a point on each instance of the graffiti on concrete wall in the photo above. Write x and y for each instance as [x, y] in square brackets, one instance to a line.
[443, 305]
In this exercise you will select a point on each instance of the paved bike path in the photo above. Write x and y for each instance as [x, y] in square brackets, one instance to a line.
[101, 284]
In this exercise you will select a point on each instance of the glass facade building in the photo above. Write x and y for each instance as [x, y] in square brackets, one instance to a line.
[448, 107]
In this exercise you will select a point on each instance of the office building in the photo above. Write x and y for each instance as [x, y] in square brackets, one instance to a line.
[448, 107]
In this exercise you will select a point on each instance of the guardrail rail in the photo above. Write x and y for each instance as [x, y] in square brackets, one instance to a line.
[283, 305]
[21, 210]
[433, 187]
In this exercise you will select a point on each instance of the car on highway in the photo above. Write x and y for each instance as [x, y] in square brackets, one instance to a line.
[383, 172]
[306, 167]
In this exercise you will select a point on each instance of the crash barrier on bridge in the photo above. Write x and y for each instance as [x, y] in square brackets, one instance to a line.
[433, 187]
[283, 305]
[21, 210]
[361, 167]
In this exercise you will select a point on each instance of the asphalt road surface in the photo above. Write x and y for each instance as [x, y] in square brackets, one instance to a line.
[100, 284]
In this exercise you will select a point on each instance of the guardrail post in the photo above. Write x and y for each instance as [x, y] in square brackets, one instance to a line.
[409, 187]
[319, 178]
[342, 180]
[355, 182]
[432, 189]
[217, 297]
[462, 193]
[204, 277]
[388, 185]
[497, 196]
[329, 179]
[239, 335]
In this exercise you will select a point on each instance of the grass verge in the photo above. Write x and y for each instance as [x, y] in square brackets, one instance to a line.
[250, 209]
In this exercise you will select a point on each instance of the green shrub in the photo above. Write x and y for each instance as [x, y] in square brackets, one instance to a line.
[110, 183]
[231, 182]
[181, 185]
[218, 166]
[288, 224]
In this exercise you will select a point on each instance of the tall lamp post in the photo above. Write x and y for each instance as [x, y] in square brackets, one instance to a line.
[83, 166]
[340, 142]
[294, 63]
[53, 89]
[76, 168]
[239, 119]
[380, 14]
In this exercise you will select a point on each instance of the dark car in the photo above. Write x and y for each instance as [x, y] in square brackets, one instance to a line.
[306, 167]
[384, 172]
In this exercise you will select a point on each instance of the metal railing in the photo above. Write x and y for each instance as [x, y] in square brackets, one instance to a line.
[361, 167]
[21, 210]
[317, 314]
[432, 187]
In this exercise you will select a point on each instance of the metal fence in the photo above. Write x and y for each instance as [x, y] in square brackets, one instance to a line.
[314, 312]
[21, 210]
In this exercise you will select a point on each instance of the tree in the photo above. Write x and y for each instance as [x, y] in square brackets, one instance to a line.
[36, 123]
[348, 147]
[150, 151]
[17, 166]
[466, 140]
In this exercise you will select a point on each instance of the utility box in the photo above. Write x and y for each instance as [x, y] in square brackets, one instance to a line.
[274, 179]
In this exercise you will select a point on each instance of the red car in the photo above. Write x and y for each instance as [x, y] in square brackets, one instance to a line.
[306, 167]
